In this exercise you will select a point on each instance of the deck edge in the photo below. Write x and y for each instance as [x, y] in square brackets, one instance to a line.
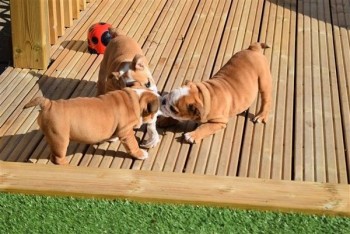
[235, 192]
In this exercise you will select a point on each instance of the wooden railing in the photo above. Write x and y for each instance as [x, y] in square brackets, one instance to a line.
[37, 24]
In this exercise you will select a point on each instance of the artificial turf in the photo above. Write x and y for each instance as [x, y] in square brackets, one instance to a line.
[42, 214]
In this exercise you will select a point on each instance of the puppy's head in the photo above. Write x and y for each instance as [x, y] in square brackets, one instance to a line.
[135, 74]
[149, 105]
[183, 103]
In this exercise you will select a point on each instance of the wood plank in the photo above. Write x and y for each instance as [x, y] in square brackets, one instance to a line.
[329, 103]
[60, 17]
[137, 15]
[82, 4]
[299, 118]
[276, 147]
[4, 74]
[68, 13]
[75, 8]
[30, 34]
[149, 186]
[53, 21]
[341, 24]
[290, 102]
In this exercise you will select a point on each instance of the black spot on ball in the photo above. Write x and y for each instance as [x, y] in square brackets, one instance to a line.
[105, 38]
[94, 40]
[102, 23]
[92, 51]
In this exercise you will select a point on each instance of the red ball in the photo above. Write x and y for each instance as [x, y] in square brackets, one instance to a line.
[98, 37]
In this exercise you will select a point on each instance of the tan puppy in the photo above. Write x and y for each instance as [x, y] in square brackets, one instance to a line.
[96, 119]
[123, 64]
[229, 92]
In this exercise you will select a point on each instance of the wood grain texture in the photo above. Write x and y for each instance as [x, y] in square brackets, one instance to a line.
[176, 188]
[30, 33]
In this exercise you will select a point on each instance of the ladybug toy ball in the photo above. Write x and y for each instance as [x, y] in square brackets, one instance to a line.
[98, 37]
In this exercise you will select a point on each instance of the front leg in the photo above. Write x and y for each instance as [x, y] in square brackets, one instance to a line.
[202, 131]
[153, 136]
[130, 143]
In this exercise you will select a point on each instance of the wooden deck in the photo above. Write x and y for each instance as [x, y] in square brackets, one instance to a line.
[307, 137]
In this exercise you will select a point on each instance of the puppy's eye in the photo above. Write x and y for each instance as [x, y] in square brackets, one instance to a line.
[130, 83]
[172, 108]
[148, 84]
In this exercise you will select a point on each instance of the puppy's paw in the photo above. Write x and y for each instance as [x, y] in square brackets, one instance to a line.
[59, 160]
[113, 139]
[260, 118]
[189, 138]
[151, 142]
[141, 154]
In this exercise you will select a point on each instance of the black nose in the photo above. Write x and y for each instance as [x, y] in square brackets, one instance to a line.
[163, 101]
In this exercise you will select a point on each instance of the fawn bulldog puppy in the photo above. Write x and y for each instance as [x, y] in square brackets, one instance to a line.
[123, 64]
[96, 119]
[229, 92]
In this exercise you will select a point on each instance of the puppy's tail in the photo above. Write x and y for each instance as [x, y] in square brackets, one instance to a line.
[41, 101]
[114, 32]
[258, 46]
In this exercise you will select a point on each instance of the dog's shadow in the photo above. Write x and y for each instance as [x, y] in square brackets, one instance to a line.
[32, 146]
[188, 126]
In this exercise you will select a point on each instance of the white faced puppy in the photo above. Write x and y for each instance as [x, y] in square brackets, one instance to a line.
[96, 119]
[123, 64]
[229, 92]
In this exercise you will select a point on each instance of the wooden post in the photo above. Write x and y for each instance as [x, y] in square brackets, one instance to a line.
[82, 5]
[75, 8]
[68, 13]
[53, 21]
[30, 33]
[60, 17]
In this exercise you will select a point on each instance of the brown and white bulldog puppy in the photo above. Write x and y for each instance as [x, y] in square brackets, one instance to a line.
[229, 92]
[123, 64]
[96, 119]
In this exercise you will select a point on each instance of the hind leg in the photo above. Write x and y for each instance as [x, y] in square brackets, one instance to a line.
[58, 145]
[265, 89]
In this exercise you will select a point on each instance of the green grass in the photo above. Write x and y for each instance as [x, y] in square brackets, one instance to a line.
[41, 214]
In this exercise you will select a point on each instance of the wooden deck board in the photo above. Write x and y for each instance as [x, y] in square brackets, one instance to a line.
[245, 193]
[307, 137]
[341, 27]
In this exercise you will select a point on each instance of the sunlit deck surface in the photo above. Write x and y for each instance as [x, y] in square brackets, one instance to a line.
[307, 137]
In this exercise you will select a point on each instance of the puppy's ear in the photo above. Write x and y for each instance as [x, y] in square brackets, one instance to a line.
[117, 80]
[191, 85]
[196, 110]
[149, 104]
[138, 62]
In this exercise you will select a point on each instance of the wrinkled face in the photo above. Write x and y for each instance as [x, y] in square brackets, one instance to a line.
[182, 104]
[137, 74]
[141, 78]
